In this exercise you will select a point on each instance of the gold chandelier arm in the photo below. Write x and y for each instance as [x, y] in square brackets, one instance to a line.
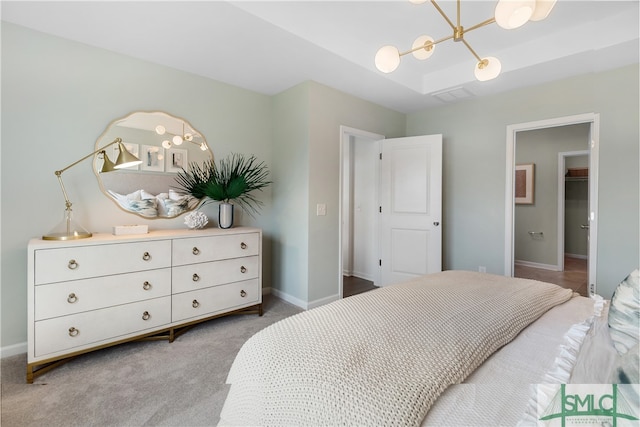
[444, 15]
[422, 47]
[59, 172]
[471, 50]
[480, 25]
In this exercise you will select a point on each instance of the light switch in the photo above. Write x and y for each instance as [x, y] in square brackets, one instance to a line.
[321, 209]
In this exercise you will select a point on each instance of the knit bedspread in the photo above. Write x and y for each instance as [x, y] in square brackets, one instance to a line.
[382, 357]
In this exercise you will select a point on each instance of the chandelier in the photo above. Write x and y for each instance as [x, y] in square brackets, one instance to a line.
[179, 139]
[509, 14]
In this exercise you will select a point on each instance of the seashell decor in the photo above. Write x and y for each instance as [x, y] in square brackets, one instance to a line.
[195, 220]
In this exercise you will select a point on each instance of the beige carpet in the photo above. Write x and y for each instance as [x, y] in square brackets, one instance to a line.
[151, 383]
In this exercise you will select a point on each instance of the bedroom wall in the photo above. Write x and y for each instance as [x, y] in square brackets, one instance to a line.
[329, 109]
[291, 194]
[57, 98]
[474, 167]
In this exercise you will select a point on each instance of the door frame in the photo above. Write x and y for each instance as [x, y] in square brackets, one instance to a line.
[346, 133]
[562, 160]
[594, 120]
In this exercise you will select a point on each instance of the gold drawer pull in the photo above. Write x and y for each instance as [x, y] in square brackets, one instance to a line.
[195, 251]
[243, 269]
[195, 277]
[73, 264]
[243, 293]
[195, 303]
[146, 286]
[243, 245]
[73, 332]
[146, 315]
[146, 256]
[72, 298]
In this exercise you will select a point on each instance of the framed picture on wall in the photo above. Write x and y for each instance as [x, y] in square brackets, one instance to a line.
[176, 160]
[525, 184]
[152, 158]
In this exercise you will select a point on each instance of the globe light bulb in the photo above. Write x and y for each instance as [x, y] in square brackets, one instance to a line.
[487, 69]
[427, 45]
[510, 14]
[387, 59]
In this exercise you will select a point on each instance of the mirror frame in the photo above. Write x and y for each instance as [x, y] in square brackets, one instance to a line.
[98, 160]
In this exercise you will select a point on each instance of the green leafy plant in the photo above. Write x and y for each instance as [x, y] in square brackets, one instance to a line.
[234, 178]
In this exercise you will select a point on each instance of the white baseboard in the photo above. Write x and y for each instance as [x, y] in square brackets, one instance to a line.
[323, 301]
[577, 256]
[363, 276]
[537, 265]
[290, 299]
[303, 304]
[13, 350]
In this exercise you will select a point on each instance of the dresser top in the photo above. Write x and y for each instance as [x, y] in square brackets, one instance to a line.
[98, 238]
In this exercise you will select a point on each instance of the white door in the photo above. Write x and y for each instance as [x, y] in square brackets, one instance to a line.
[410, 207]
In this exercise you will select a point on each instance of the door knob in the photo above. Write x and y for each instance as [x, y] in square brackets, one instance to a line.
[436, 223]
[584, 226]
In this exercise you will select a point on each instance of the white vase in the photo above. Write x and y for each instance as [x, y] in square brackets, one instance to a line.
[225, 215]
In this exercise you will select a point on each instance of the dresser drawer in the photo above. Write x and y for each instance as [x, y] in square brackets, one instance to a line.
[213, 248]
[77, 330]
[210, 301]
[197, 276]
[64, 298]
[81, 262]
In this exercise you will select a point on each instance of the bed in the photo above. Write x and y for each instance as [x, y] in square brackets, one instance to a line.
[451, 348]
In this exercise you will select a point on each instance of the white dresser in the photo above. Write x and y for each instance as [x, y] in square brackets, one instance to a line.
[92, 293]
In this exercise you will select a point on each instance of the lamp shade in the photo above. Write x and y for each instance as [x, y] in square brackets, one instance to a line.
[125, 158]
[510, 14]
[487, 69]
[542, 9]
[107, 164]
[428, 47]
[387, 59]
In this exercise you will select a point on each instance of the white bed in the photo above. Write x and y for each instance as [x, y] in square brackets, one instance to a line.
[453, 348]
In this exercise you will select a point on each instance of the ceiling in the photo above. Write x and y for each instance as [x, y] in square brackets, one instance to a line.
[270, 46]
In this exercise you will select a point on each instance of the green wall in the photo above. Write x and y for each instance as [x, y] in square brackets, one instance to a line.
[291, 192]
[57, 99]
[59, 96]
[474, 156]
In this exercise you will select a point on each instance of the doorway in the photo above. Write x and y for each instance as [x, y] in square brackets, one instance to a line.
[390, 207]
[358, 224]
[537, 238]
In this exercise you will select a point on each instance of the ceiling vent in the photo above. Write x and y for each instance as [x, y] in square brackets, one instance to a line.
[452, 95]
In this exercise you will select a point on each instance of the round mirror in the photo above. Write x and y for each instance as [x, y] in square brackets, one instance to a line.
[165, 145]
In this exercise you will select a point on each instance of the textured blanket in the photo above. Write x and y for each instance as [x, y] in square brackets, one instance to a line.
[382, 357]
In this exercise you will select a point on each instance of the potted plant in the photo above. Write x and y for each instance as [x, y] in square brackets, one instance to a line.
[233, 179]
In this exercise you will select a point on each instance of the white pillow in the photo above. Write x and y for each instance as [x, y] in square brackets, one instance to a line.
[136, 195]
[174, 195]
[145, 195]
[624, 313]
